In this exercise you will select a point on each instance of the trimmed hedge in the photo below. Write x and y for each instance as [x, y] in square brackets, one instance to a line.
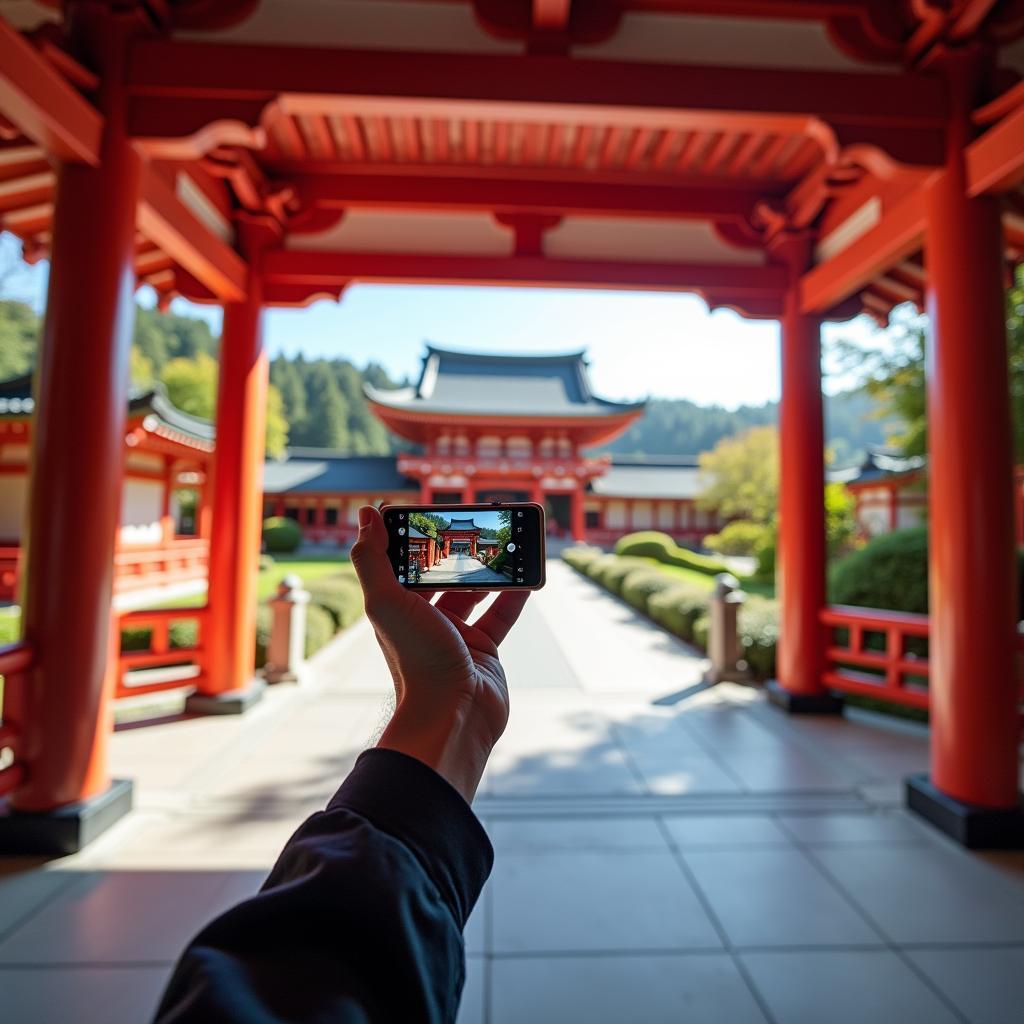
[580, 558]
[740, 537]
[651, 544]
[890, 571]
[339, 595]
[640, 585]
[320, 628]
[678, 608]
[281, 535]
[759, 634]
[180, 634]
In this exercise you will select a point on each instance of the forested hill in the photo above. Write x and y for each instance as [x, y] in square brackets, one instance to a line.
[320, 403]
[675, 426]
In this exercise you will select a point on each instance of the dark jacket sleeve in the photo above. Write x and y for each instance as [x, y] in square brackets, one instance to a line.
[361, 918]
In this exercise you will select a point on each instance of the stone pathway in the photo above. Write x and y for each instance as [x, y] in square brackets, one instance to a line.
[664, 851]
[460, 568]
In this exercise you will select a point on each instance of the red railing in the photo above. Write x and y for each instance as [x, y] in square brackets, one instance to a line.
[177, 562]
[875, 660]
[165, 662]
[15, 660]
[9, 557]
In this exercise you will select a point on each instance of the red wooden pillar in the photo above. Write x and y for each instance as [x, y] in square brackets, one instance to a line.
[74, 505]
[801, 559]
[972, 792]
[229, 685]
[468, 493]
[426, 493]
[577, 520]
[168, 529]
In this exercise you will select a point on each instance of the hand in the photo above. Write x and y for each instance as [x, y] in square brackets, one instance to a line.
[450, 690]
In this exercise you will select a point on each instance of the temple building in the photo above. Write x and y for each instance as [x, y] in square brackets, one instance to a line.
[163, 539]
[497, 428]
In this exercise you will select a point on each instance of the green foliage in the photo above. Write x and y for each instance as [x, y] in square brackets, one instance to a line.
[611, 570]
[281, 535]
[741, 476]
[426, 524]
[740, 537]
[890, 571]
[678, 608]
[340, 595]
[183, 633]
[320, 628]
[758, 623]
[580, 558]
[19, 327]
[192, 384]
[651, 544]
[766, 555]
[840, 518]
[640, 585]
[264, 622]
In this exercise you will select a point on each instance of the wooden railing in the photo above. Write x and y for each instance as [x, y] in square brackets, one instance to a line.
[15, 660]
[9, 557]
[872, 652]
[162, 661]
[176, 562]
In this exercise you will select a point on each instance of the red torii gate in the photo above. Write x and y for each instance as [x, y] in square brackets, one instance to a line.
[219, 169]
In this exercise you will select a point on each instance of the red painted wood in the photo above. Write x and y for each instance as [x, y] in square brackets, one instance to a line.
[70, 554]
[801, 556]
[972, 574]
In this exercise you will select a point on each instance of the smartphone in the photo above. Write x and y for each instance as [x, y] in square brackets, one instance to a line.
[467, 547]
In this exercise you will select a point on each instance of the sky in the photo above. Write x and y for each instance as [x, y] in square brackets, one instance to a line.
[639, 344]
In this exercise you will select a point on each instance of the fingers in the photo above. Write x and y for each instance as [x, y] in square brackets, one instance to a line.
[502, 615]
[460, 602]
[427, 595]
[370, 559]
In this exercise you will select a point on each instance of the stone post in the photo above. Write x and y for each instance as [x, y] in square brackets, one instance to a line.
[723, 636]
[286, 653]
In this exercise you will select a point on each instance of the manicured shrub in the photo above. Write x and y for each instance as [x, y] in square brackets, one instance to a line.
[614, 573]
[281, 535]
[741, 537]
[890, 571]
[651, 544]
[340, 596]
[701, 629]
[266, 562]
[758, 622]
[264, 618]
[765, 556]
[596, 567]
[320, 628]
[579, 558]
[678, 608]
[640, 585]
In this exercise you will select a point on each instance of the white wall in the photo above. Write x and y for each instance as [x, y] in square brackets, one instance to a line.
[141, 507]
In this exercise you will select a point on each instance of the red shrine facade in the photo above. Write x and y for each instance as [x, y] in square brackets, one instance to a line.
[498, 428]
[462, 535]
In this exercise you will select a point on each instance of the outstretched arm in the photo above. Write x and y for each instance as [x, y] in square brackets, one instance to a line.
[361, 918]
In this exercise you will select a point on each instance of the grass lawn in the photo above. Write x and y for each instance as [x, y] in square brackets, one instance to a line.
[10, 624]
[705, 582]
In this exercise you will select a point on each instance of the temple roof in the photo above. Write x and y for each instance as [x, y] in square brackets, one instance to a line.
[463, 525]
[640, 476]
[16, 400]
[480, 384]
[415, 534]
[879, 464]
[320, 470]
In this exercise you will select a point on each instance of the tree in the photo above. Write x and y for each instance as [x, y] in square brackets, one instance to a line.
[327, 423]
[741, 476]
[287, 378]
[277, 424]
[19, 328]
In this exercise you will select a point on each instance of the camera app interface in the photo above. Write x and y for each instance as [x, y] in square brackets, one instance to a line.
[486, 548]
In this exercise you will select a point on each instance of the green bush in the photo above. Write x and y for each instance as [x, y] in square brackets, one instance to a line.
[264, 618]
[741, 537]
[182, 633]
[614, 572]
[758, 622]
[701, 629]
[651, 544]
[339, 595]
[320, 628]
[580, 558]
[640, 585]
[281, 535]
[890, 571]
[765, 556]
[678, 608]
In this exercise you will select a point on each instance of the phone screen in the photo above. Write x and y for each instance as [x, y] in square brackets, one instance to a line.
[467, 547]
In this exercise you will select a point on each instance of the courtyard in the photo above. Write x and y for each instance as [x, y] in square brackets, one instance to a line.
[664, 851]
[462, 567]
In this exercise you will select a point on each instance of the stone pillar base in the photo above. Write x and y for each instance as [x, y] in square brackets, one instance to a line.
[803, 703]
[233, 702]
[977, 828]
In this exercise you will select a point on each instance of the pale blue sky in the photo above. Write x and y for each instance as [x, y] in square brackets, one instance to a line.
[639, 344]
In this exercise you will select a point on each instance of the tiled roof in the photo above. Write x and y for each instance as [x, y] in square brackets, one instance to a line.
[474, 383]
[324, 470]
[650, 477]
[879, 464]
[463, 524]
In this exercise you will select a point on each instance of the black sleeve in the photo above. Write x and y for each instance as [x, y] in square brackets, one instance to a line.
[361, 918]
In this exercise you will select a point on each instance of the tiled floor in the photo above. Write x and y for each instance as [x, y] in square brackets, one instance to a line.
[664, 852]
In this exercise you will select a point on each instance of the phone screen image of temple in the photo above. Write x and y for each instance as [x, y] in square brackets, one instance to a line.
[436, 549]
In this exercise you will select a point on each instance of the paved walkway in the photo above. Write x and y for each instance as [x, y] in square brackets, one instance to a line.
[460, 568]
[664, 852]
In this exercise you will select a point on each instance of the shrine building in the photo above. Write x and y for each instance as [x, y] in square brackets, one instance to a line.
[497, 428]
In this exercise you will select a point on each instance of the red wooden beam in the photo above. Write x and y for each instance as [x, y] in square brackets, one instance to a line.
[551, 15]
[894, 238]
[230, 77]
[756, 289]
[169, 224]
[512, 195]
[995, 161]
[41, 103]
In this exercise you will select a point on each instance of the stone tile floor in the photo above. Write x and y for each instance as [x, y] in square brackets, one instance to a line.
[664, 852]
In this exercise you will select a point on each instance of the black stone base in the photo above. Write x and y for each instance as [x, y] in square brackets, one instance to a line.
[234, 702]
[977, 828]
[67, 829]
[803, 703]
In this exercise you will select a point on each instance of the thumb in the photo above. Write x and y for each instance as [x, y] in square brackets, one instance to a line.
[371, 562]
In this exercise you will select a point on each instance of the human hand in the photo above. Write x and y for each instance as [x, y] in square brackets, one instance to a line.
[451, 697]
